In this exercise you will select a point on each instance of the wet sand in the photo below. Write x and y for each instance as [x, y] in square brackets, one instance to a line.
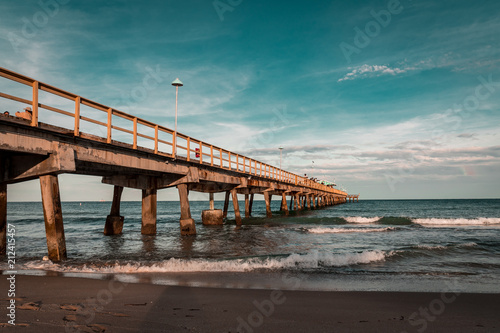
[63, 304]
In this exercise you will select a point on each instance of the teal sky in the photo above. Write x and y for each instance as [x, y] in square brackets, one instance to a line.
[399, 106]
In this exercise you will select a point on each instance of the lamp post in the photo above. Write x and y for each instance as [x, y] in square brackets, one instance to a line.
[177, 83]
[281, 149]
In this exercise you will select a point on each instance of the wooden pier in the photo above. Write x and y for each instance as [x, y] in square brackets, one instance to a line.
[150, 161]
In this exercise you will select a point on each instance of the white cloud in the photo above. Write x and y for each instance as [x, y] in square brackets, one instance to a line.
[373, 71]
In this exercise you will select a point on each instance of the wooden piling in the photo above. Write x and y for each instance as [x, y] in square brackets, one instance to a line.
[236, 206]
[149, 212]
[114, 222]
[52, 211]
[267, 199]
[186, 222]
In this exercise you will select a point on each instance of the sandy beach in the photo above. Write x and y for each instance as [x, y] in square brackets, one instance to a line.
[63, 304]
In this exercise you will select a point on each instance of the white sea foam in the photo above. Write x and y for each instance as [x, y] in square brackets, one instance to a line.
[321, 230]
[359, 219]
[294, 261]
[458, 221]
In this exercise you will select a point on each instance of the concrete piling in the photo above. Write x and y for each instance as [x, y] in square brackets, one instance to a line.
[284, 205]
[52, 211]
[212, 216]
[247, 205]
[186, 221]
[236, 206]
[149, 212]
[267, 199]
[114, 222]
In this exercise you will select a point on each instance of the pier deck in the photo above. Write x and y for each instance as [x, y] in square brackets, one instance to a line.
[31, 148]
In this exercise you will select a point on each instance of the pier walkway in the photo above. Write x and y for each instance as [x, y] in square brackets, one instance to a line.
[45, 141]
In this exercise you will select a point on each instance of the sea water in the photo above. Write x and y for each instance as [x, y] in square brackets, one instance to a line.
[385, 245]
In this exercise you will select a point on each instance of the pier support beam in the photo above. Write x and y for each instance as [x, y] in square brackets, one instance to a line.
[186, 222]
[148, 212]
[114, 222]
[52, 212]
[308, 199]
[284, 205]
[291, 201]
[226, 204]
[3, 218]
[267, 198]
[236, 206]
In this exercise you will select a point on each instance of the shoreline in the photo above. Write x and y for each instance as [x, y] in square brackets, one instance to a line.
[70, 304]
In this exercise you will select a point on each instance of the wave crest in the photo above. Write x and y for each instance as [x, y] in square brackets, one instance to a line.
[313, 259]
[321, 230]
[360, 219]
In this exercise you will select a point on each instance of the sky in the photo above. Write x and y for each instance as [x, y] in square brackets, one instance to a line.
[389, 99]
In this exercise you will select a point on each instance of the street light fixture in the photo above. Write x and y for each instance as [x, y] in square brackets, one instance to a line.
[177, 83]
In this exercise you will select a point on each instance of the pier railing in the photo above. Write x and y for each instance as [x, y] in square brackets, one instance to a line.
[187, 148]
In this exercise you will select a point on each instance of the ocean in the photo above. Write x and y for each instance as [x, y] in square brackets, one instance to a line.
[370, 245]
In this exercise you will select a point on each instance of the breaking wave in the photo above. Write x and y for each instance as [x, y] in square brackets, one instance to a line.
[360, 219]
[320, 230]
[310, 260]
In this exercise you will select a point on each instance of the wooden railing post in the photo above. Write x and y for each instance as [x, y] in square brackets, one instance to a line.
[156, 139]
[188, 146]
[77, 116]
[110, 113]
[220, 156]
[135, 132]
[34, 105]
[229, 159]
[211, 155]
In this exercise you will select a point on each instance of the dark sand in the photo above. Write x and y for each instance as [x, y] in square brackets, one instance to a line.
[62, 304]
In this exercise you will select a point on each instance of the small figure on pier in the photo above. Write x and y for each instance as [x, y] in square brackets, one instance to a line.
[6, 113]
[27, 114]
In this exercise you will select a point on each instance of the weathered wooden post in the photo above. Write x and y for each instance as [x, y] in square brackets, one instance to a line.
[149, 211]
[291, 201]
[186, 222]
[236, 206]
[114, 222]
[308, 200]
[267, 199]
[3, 218]
[52, 212]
